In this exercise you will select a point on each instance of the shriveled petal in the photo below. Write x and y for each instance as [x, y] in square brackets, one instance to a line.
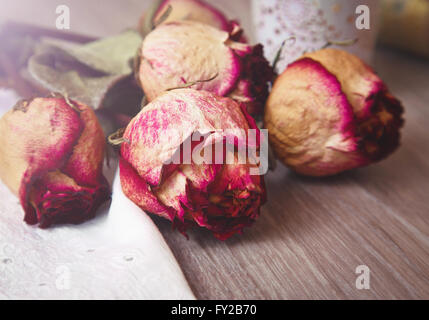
[139, 191]
[256, 73]
[358, 81]
[194, 10]
[88, 153]
[158, 131]
[173, 193]
[177, 53]
[310, 120]
[57, 198]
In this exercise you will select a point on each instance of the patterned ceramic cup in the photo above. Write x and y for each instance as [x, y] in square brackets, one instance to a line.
[310, 24]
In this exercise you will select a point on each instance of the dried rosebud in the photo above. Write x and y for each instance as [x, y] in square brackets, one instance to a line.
[329, 112]
[192, 10]
[51, 154]
[221, 196]
[179, 53]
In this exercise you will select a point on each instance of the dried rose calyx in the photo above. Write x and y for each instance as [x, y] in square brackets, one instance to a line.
[51, 155]
[329, 112]
[178, 53]
[223, 197]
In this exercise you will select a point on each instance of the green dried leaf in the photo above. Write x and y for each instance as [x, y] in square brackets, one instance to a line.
[98, 74]
[54, 72]
[110, 55]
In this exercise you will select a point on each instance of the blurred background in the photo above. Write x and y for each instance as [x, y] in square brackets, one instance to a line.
[400, 23]
[306, 25]
[98, 17]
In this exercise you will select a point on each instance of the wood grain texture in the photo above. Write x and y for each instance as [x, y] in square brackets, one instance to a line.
[313, 233]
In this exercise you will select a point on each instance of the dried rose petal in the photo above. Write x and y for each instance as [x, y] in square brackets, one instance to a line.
[178, 53]
[223, 198]
[198, 11]
[51, 154]
[329, 112]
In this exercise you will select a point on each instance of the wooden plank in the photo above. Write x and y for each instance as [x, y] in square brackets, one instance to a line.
[313, 233]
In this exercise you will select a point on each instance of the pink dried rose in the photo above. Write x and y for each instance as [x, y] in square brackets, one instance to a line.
[193, 10]
[221, 196]
[329, 112]
[51, 155]
[179, 53]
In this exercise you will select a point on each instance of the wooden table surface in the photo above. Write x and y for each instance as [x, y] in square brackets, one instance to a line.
[313, 233]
